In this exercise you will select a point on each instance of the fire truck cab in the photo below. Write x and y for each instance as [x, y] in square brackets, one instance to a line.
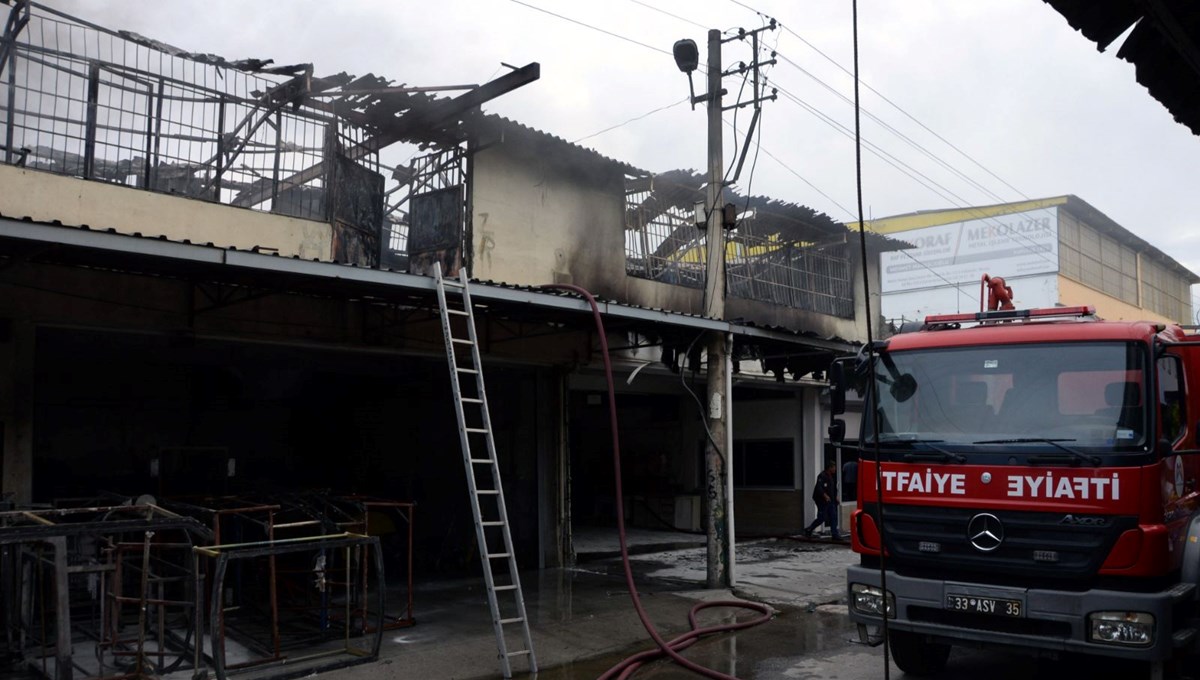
[1028, 479]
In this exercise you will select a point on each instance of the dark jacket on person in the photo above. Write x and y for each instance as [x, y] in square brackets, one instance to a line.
[826, 486]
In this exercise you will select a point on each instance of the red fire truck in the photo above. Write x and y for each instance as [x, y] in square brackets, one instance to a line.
[1036, 488]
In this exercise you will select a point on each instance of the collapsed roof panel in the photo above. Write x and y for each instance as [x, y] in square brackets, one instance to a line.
[762, 216]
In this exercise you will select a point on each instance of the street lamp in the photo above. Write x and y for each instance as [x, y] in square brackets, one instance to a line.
[687, 58]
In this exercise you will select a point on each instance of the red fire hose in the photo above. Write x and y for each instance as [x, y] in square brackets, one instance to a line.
[672, 647]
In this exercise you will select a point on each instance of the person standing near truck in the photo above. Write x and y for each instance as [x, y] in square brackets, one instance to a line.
[850, 481]
[825, 495]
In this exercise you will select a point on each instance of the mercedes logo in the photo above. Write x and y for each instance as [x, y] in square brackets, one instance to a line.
[985, 531]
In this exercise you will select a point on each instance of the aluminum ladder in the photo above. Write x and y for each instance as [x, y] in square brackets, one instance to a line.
[475, 424]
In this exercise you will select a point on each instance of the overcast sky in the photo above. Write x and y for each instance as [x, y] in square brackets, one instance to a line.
[1006, 81]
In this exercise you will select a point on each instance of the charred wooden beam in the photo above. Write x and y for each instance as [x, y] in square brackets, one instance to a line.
[407, 125]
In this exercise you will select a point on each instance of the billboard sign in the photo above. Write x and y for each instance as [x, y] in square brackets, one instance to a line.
[1014, 245]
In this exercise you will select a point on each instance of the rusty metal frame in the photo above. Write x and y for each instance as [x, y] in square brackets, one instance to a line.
[405, 510]
[246, 511]
[18, 18]
[224, 554]
[54, 526]
[114, 596]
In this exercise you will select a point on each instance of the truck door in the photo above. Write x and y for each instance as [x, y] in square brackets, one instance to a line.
[1178, 407]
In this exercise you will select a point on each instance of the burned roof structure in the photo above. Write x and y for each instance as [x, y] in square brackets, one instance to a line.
[1163, 46]
[777, 252]
[115, 106]
[120, 108]
[759, 216]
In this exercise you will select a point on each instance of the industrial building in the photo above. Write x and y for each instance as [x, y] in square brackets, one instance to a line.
[1051, 251]
[216, 312]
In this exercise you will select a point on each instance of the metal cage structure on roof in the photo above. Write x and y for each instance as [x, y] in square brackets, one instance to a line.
[82, 100]
[780, 254]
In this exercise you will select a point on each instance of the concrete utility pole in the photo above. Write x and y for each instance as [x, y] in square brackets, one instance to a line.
[718, 470]
[718, 348]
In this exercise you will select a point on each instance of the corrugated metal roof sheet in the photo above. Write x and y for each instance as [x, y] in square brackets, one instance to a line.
[1164, 45]
[493, 124]
[143, 245]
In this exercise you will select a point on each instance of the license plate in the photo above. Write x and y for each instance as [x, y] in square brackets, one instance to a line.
[985, 605]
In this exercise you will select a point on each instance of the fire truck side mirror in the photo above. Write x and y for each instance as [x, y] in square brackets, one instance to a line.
[837, 389]
[903, 388]
[837, 431]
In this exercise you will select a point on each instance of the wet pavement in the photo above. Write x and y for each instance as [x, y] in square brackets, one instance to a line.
[583, 624]
[799, 645]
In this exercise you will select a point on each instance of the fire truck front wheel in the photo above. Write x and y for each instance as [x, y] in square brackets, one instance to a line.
[915, 655]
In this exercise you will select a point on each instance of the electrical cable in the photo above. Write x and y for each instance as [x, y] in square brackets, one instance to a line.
[753, 165]
[882, 123]
[903, 137]
[912, 173]
[672, 647]
[804, 179]
[673, 16]
[1032, 246]
[875, 149]
[632, 120]
[758, 139]
[893, 104]
[956, 286]
[872, 389]
[699, 404]
[594, 28]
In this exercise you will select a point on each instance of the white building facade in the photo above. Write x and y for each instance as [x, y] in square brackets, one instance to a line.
[1055, 251]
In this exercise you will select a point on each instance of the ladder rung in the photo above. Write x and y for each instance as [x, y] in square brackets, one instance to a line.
[457, 312]
[452, 282]
[481, 461]
[486, 492]
[521, 652]
[499, 588]
[465, 370]
[492, 524]
[497, 556]
[471, 400]
[461, 341]
[505, 622]
[476, 430]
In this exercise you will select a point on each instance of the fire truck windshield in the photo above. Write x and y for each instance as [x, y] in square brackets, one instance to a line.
[1092, 395]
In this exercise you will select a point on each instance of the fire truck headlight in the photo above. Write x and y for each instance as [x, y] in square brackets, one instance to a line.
[870, 600]
[1122, 628]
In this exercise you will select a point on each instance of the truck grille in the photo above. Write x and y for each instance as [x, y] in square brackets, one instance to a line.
[1079, 549]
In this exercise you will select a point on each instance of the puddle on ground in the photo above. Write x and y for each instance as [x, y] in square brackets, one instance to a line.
[760, 651]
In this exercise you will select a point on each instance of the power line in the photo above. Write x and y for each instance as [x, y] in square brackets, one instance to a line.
[893, 104]
[802, 178]
[956, 286]
[913, 173]
[1035, 249]
[594, 28]
[673, 16]
[656, 49]
[895, 162]
[905, 138]
[632, 120]
[758, 147]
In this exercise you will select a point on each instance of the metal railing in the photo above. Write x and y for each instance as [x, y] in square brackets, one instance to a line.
[665, 245]
[114, 106]
[802, 276]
